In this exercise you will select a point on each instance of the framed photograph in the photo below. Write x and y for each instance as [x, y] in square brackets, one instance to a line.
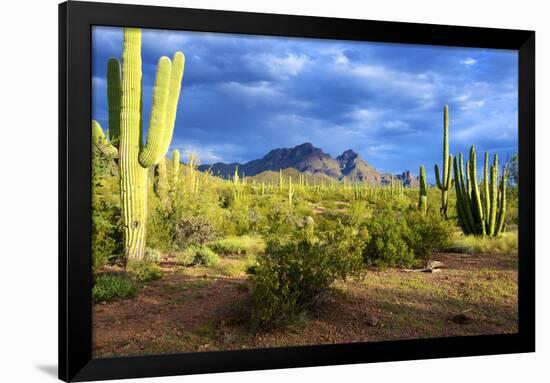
[244, 191]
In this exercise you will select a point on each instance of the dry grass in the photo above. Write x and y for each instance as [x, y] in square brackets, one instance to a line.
[506, 243]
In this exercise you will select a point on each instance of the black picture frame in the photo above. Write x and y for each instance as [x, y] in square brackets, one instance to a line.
[75, 276]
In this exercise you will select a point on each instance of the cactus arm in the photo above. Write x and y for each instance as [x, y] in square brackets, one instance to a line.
[460, 206]
[502, 205]
[176, 76]
[486, 191]
[152, 152]
[476, 198]
[466, 195]
[423, 194]
[437, 178]
[113, 100]
[493, 196]
[446, 164]
[101, 142]
[449, 172]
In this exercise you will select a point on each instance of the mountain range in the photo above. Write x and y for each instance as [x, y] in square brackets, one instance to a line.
[308, 159]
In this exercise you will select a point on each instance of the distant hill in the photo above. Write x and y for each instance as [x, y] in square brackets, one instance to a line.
[307, 159]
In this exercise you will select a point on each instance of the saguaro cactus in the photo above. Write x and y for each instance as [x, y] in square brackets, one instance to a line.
[175, 165]
[290, 191]
[124, 95]
[444, 182]
[423, 191]
[480, 213]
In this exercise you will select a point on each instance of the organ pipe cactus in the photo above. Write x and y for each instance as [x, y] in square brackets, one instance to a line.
[124, 94]
[479, 213]
[423, 191]
[444, 181]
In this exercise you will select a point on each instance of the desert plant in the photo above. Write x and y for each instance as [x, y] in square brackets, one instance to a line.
[111, 286]
[194, 230]
[125, 131]
[197, 255]
[298, 269]
[480, 213]
[152, 255]
[422, 191]
[388, 240]
[428, 232]
[237, 245]
[144, 271]
[444, 181]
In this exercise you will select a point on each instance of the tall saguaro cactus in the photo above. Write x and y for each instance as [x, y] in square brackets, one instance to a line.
[124, 94]
[480, 213]
[423, 191]
[444, 181]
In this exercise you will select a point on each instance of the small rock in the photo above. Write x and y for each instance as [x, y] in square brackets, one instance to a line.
[435, 270]
[462, 318]
[372, 320]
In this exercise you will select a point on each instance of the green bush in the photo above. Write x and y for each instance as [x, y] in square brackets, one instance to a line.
[110, 286]
[428, 232]
[299, 268]
[107, 236]
[388, 240]
[152, 255]
[144, 271]
[238, 245]
[197, 255]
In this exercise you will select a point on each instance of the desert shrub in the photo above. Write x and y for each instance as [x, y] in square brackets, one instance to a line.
[197, 255]
[506, 243]
[152, 255]
[144, 271]
[237, 245]
[240, 216]
[110, 286]
[107, 241]
[194, 230]
[388, 240]
[299, 268]
[428, 232]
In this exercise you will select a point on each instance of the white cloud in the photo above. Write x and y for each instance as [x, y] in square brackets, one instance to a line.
[279, 66]
[468, 61]
[251, 93]
[208, 153]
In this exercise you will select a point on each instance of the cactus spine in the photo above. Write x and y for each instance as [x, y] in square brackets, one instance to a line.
[124, 95]
[423, 191]
[480, 213]
[444, 182]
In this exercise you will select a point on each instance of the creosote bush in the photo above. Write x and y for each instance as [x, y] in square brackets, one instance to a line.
[298, 269]
[110, 286]
[388, 240]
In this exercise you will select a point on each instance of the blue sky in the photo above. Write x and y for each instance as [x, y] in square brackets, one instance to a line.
[245, 95]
